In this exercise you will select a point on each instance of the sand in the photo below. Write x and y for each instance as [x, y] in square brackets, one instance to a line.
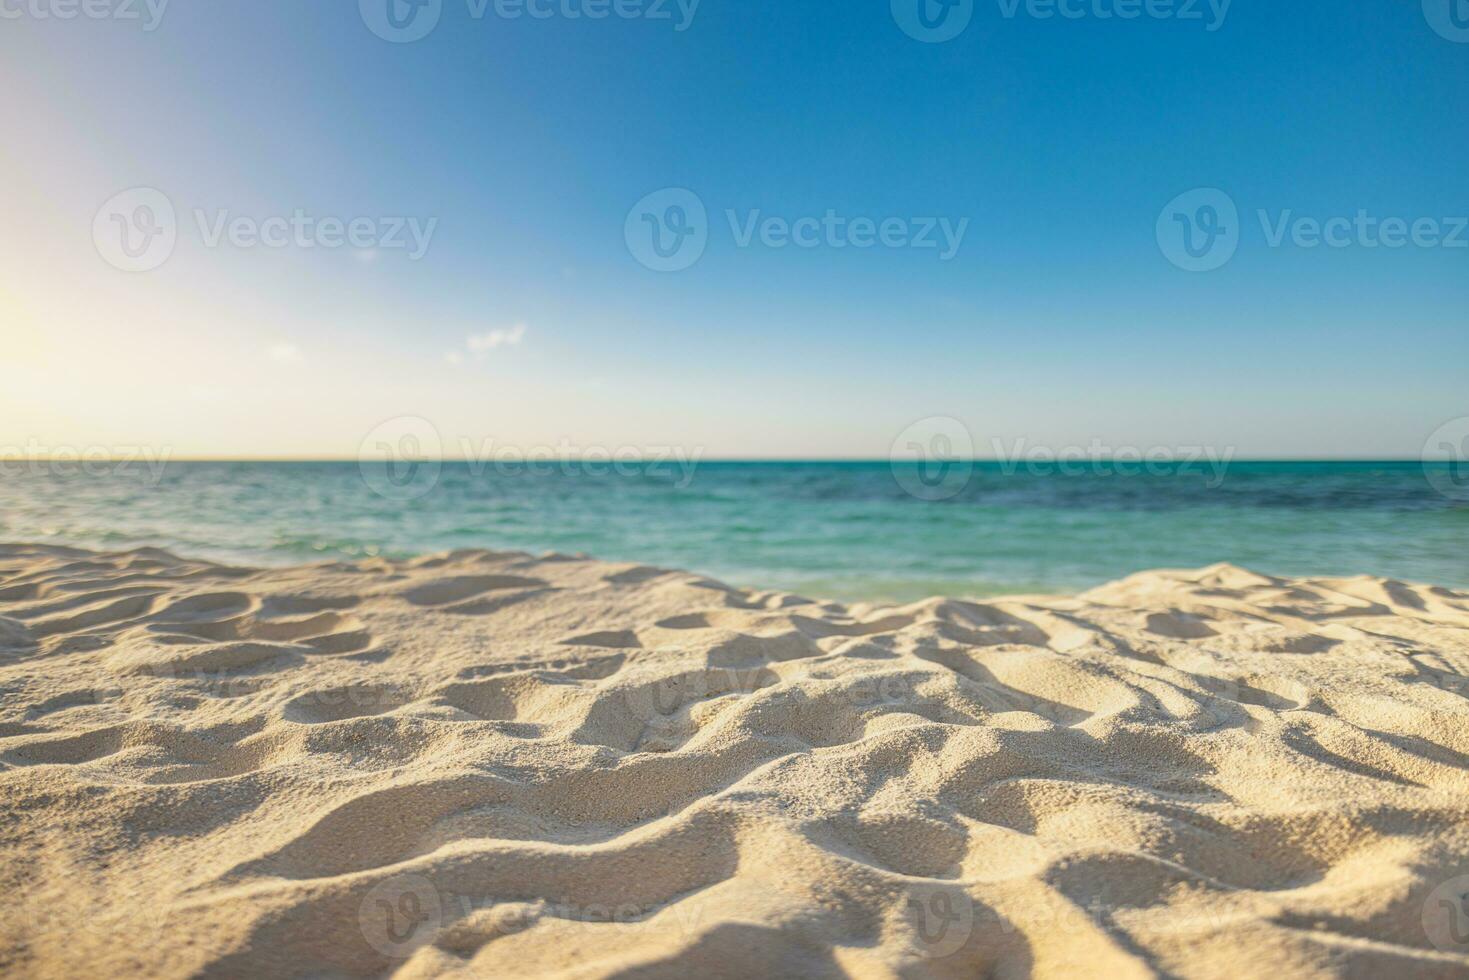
[502, 765]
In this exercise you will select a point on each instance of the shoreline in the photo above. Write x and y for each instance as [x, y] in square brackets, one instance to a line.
[892, 595]
[517, 765]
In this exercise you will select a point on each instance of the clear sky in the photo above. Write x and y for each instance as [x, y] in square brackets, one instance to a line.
[525, 143]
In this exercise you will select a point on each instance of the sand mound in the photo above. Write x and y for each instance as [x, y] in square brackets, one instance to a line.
[507, 766]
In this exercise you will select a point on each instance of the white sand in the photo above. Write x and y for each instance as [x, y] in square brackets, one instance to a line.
[515, 766]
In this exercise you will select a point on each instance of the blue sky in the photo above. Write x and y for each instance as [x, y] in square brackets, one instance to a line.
[526, 142]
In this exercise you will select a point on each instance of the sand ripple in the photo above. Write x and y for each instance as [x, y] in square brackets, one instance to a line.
[506, 766]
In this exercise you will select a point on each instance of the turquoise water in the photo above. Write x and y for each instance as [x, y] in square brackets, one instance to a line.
[841, 530]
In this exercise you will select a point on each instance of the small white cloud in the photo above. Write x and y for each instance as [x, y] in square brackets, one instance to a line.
[454, 357]
[285, 354]
[481, 344]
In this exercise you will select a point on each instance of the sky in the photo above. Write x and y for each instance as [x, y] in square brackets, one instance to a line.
[861, 222]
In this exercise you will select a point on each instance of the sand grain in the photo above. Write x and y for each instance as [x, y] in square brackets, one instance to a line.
[511, 766]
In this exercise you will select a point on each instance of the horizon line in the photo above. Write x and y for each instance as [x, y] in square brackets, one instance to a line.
[877, 460]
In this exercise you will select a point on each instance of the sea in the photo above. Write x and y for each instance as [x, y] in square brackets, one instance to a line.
[877, 530]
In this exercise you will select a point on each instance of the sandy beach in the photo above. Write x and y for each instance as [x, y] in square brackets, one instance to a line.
[663, 490]
[504, 765]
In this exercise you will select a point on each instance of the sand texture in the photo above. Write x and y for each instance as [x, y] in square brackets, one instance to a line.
[513, 766]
